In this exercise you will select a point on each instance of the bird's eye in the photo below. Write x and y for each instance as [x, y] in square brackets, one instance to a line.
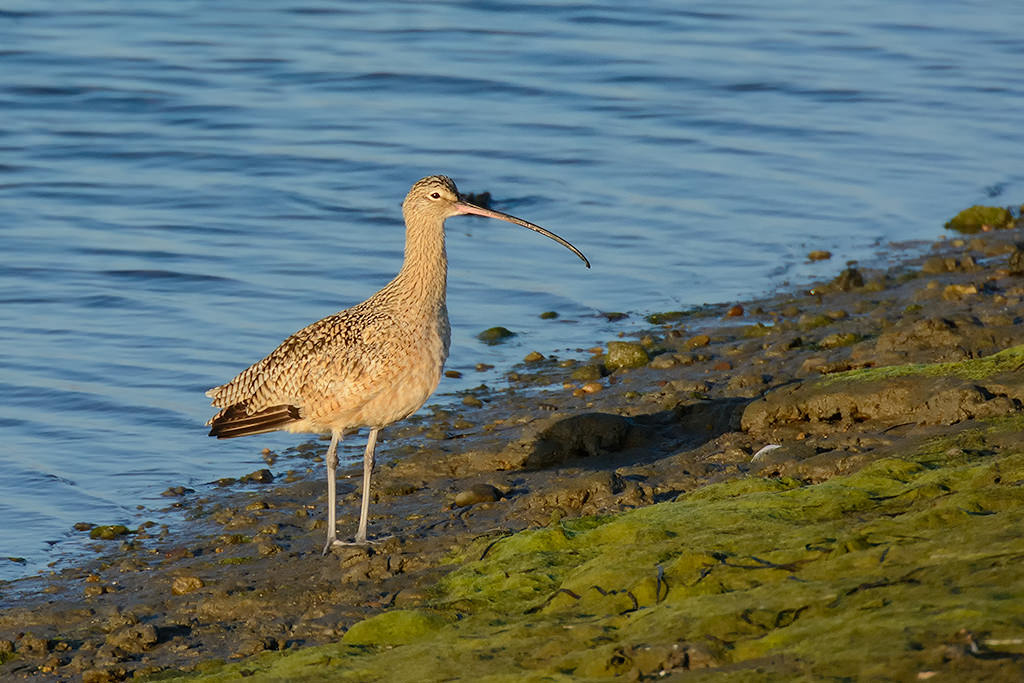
[435, 195]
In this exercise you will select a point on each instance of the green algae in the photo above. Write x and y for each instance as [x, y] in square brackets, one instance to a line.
[397, 627]
[1008, 360]
[866, 576]
[973, 219]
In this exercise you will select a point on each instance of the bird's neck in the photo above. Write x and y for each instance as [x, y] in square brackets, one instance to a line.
[424, 273]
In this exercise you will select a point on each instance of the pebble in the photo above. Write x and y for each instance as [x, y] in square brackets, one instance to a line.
[664, 361]
[819, 255]
[454, 374]
[735, 311]
[548, 315]
[698, 341]
[591, 387]
[533, 357]
[472, 401]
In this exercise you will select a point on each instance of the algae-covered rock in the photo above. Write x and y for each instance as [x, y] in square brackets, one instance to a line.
[495, 335]
[625, 355]
[108, 532]
[665, 317]
[976, 218]
[397, 627]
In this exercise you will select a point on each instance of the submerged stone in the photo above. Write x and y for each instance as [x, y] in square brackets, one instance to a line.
[495, 335]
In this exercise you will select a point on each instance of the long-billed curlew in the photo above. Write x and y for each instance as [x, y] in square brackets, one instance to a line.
[366, 366]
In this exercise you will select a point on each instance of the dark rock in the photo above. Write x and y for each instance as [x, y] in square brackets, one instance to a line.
[477, 493]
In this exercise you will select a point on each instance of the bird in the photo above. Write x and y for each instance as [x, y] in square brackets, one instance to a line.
[367, 366]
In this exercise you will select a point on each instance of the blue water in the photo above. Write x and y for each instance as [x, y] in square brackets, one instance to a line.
[183, 184]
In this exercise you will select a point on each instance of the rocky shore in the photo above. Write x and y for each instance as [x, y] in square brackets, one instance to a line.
[827, 483]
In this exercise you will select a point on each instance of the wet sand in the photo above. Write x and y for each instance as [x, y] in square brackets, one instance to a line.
[567, 527]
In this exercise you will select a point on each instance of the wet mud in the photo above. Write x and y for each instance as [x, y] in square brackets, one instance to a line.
[825, 483]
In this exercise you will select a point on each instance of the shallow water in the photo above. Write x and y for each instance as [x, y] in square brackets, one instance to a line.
[182, 185]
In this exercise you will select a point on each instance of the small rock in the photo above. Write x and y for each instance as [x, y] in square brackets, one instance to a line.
[849, 279]
[698, 341]
[625, 355]
[267, 548]
[471, 401]
[614, 316]
[477, 493]
[664, 361]
[957, 292]
[808, 321]
[548, 315]
[495, 335]
[83, 526]
[819, 255]
[586, 372]
[133, 639]
[834, 341]
[108, 532]
[263, 476]
[734, 312]
[533, 357]
[591, 387]
[723, 365]
[1016, 261]
[666, 317]
[33, 645]
[177, 491]
[454, 374]
[183, 585]
[483, 367]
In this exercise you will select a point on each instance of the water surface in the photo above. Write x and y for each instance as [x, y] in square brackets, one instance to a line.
[183, 184]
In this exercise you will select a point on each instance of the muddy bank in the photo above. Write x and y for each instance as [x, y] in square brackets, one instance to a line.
[816, 484]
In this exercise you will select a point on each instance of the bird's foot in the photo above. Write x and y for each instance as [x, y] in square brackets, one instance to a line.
[354, 543]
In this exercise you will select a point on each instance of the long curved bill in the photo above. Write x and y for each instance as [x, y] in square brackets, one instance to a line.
[464, 207]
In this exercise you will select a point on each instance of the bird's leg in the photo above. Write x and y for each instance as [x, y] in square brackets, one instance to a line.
[364, 510]
[332, 467]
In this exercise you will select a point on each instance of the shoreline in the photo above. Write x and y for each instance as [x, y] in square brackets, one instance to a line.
[691, 404]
